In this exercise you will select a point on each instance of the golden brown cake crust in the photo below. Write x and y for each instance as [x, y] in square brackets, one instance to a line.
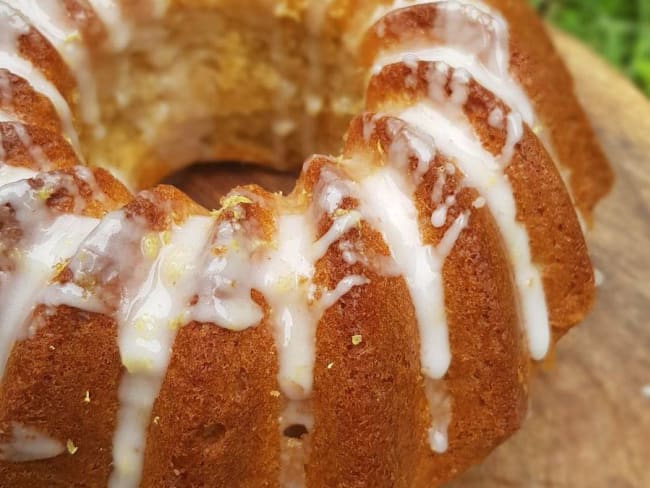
[33, 46]
[57, 152]
[230, 436]
[554, 98]
[45, 386]
[28, 106]
[543, 204]
[225, 438]
[368, 402]
[488, 405]
[538, 67]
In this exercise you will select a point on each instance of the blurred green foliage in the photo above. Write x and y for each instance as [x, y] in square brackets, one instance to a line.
[618, 29]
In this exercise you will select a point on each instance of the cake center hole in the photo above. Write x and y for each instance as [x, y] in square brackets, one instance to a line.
[207, 183]
[296, 431]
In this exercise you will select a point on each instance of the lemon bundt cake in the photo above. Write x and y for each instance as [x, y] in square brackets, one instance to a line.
[377, 327]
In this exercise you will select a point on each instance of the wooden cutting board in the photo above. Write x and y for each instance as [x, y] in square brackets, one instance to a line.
[589, 422]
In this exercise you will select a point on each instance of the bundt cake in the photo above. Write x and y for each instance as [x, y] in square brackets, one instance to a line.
[377, 327]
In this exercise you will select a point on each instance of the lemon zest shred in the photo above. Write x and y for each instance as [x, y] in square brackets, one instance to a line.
[71, 447]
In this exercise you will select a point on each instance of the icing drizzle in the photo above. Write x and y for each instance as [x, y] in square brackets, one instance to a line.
[446, 123]
[47, 239]
[28, 444]
[147, 323]
[15, 26]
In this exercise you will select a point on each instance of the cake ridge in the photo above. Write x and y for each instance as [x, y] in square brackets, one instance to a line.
[47, 236]
[51, 19]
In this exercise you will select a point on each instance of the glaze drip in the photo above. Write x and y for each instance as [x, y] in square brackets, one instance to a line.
[28, 444]
[35, 240]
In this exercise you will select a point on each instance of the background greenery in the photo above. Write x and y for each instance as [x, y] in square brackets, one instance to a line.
[618, 29]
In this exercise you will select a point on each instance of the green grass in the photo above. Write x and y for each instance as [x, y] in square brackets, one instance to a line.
[618, 29]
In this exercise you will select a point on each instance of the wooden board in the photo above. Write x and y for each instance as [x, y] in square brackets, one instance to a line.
[589, 422]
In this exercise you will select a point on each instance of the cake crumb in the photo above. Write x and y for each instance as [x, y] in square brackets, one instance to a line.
[87, 397]
[357, 339]
[275, 393]
[330, 365]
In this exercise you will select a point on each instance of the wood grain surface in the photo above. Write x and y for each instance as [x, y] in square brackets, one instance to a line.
[589, 422]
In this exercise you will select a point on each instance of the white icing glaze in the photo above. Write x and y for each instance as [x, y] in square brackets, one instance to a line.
[448, 241]
[284, 274]
[93, 263]
[294, 452]
[340, 226]
[13, 27]
[440, 409]
[383, 10]
[455, 138]
[475, 37]
[117, 25]
[147, 323]
[47, 16]
[11, 174]
[330, 297]
[418, 263]
[505, 89]
[144, 317]
[48, 239]
[479, 202]
[224, 284]
[496, 118]
[36, 152]
[514, 134]
[51, 19]
[5, 117]
[28, 444]
[285, 278]
[439, 216]
[599, 277]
